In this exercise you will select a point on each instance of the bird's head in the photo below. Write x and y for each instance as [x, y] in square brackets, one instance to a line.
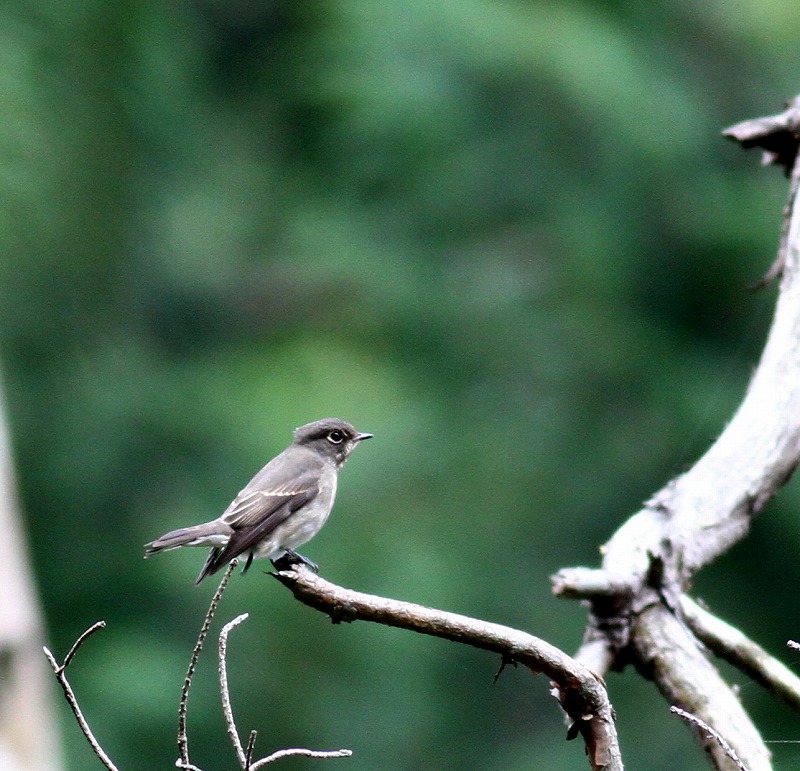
[330, 437]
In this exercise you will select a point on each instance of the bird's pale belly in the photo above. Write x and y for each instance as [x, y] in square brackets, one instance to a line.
[298, 529]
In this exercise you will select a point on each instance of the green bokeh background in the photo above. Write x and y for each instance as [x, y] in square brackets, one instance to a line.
[505, 237]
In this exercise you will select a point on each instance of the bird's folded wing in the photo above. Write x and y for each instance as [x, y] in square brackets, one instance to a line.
[252, 506]
[254, 514]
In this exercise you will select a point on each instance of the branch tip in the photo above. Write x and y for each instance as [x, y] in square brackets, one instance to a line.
[69, 694]
[711, 733]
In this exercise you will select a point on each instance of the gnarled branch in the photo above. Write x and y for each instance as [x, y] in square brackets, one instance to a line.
[581, 692]
[637, 598]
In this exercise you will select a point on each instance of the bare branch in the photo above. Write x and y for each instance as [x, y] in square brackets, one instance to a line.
[778, 135]
[738, 649]
[582, 693]
[59, 670]
[588, 583]
[245, 756]
[649, 562]
[98, 625]
[301, 752]
[702, 513]
[665, 651]
[227, 711]
[248, 753]
[707, 729]
[183, 740]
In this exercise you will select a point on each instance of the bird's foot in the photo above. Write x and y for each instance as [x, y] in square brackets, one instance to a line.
[290, 558]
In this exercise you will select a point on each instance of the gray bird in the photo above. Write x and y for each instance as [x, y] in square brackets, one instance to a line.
[282, 507]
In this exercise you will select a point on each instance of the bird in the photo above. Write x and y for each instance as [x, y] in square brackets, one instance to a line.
[282, 507]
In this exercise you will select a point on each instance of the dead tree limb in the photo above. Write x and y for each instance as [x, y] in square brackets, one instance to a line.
[581, 693]
[737, 649]
[636, 598]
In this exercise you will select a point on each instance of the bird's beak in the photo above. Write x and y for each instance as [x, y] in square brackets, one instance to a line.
[359, 437]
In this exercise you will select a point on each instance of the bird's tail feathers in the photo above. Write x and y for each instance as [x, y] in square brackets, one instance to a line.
[208, 534]
[212, 564]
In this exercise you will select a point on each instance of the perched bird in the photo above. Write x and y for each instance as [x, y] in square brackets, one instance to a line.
[282, 507]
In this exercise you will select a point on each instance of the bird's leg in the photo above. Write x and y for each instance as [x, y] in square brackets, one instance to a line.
[290, 558]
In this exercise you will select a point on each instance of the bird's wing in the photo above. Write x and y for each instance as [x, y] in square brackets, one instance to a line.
[251, 507]
[258, 518]
[277, 484]
[270, 497]
[259, 522]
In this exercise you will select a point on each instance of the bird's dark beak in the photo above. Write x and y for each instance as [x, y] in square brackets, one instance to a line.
[359, 437]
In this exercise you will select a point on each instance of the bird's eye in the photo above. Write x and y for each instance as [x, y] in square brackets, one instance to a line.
[335, 436]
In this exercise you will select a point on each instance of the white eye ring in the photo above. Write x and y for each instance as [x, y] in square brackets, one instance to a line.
[335, 436]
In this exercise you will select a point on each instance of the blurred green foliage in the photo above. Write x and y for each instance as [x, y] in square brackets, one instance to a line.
[505, 237]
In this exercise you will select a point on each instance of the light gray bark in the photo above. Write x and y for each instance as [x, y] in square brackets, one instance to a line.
[637, 598]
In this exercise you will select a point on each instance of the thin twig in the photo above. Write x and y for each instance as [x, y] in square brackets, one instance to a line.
[77, 644]
[245, 756]
[711, 733]
[227, 710]
[302, 752]
[59, 669]
[183, 740]
[248, 753]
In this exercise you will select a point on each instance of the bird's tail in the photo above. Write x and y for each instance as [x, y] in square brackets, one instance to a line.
[212, 564]
[214, 533]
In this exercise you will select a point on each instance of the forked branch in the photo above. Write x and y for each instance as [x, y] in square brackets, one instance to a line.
[244, 756]
[639, 613]
[61, 676]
